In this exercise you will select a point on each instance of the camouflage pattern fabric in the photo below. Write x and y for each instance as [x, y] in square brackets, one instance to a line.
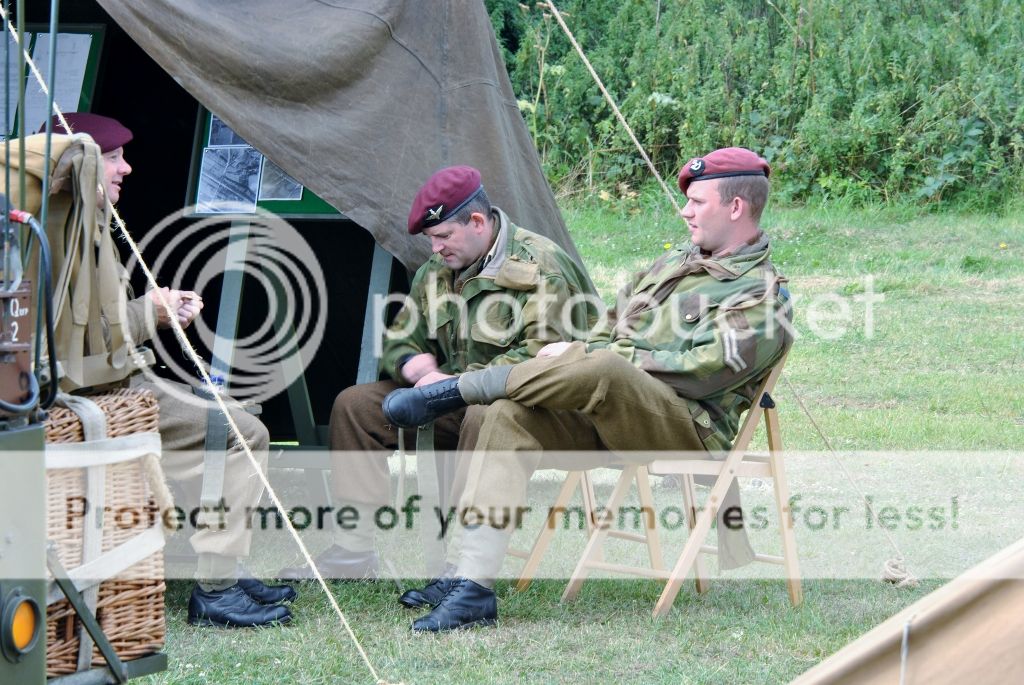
[710, 328]
[499, 312]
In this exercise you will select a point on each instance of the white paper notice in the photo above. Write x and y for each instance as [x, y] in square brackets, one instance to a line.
[72, 59]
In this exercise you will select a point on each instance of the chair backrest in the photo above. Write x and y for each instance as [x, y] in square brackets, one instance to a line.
[762, 400]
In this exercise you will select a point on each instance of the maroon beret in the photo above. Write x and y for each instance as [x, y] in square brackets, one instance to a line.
[442, 196]
[108, 133]
[727, 161]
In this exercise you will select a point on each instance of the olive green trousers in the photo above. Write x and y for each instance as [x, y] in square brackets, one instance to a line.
[362, 440]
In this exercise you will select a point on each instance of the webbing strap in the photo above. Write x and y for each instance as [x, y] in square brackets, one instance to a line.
[94, 427]
[112, 562]
[214, 453]
[94, 421]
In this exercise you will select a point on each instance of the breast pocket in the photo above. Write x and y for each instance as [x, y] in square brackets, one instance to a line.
[694, 314]
[497, 321]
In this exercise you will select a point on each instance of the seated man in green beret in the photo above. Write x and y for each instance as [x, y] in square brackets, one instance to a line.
[492, 295]
[671, 370]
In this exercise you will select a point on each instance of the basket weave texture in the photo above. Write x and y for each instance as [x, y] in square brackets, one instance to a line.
[130, 608]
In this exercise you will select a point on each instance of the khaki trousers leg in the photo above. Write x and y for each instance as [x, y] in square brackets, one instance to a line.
[183, 417]
[579, 401]
[362, 441]
[573, 402]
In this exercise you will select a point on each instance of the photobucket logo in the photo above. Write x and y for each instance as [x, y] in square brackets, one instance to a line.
[680, 319]
[502, 319]
[278, 267]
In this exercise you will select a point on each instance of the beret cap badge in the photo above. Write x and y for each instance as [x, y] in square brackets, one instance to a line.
[443, 196]
[723, 163]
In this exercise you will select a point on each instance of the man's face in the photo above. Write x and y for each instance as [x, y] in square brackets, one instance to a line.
[115, 168]
[460, 244]
[710, 222]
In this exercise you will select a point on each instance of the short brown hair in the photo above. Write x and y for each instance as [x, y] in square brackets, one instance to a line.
[753, 189]
[480, 204]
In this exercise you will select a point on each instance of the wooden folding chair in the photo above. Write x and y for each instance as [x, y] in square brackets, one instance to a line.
[738, 463]
[581, 480]
[435, 486]
[534, 555]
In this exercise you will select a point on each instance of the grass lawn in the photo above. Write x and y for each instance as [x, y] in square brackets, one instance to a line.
[921, 404]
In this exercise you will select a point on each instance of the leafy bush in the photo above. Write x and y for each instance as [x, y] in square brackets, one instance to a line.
[877, 99]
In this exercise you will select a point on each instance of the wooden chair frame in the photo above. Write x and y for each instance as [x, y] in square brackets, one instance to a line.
[582, 480]
[738, 462]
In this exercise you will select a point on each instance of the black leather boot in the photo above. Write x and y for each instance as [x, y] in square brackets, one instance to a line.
[465, 605]
[428, 596]
[232, 608]
[337, 562]
[267, 594]
[411, 407]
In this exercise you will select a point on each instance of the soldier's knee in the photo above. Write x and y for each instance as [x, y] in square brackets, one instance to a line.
[353, 400]
[503, 411]
[607, 364]
[474, 417]
[254, 432]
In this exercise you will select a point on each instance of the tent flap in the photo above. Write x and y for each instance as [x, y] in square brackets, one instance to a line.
[359, 101]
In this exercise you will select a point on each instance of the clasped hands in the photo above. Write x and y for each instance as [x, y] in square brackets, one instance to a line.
[184, 305]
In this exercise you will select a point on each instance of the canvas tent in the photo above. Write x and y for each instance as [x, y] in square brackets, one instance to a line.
[360, 101]
[968, 631]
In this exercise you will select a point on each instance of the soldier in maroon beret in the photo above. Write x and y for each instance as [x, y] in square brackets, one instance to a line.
[673, 369]
[222, 596]
[492, 295]
[111, 136]
[713, 210]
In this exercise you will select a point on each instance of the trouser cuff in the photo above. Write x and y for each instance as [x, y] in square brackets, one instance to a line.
[484, 386]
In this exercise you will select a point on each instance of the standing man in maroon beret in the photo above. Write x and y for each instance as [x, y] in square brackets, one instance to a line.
[492, 295]
[671, 371]
[221, 596]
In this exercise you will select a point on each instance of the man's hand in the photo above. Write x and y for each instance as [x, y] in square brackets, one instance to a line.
[419, 366]
[433, 377]
[184, 305]
[553, 349]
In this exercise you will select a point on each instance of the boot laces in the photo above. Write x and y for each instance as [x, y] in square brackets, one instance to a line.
[456, 584]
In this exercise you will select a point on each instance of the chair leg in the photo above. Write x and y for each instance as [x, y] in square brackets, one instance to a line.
[589, 500]
[790, 560]
[590, 507]
[690, 507]
[540, 546]
[702, 526]
[643, 486]
[592, 550]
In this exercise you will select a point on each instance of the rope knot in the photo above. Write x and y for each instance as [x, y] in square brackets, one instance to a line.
[896, 572]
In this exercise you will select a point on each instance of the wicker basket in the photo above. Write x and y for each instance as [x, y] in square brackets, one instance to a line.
[130, 608]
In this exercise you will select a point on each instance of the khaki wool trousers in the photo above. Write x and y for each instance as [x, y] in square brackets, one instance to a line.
[362, 440]
[596, 403]
[183, 418]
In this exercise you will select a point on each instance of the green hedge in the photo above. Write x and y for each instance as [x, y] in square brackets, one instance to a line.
[862, 100]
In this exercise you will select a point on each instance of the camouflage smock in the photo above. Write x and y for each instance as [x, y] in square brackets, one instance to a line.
[710, 328]
[513, 306]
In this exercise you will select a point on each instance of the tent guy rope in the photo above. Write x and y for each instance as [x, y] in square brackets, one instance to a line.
[615, 107]
[187, 347]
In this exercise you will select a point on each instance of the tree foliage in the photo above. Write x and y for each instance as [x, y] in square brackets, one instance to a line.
[859, 100]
